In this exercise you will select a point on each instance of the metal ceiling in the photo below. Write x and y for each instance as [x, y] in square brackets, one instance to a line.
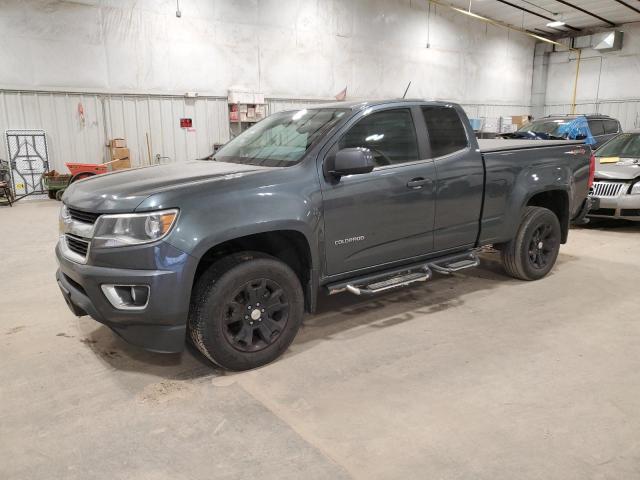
[534, 15]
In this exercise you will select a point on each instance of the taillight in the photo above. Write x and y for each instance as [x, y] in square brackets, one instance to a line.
[592, 169]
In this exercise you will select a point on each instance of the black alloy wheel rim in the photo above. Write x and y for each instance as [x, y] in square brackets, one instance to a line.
[542, 246]
[256, 315]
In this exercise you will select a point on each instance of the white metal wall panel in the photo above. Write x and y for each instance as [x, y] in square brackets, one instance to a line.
[282, 104]
[134, 117]
[494, 111]
[116, 116]
[68, 140]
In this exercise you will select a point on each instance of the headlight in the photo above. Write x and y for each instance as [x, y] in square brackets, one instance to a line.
[635, 190]
[133, 228]
[63, 217]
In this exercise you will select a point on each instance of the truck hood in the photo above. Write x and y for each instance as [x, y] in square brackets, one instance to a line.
[625, 169]
[124, 190]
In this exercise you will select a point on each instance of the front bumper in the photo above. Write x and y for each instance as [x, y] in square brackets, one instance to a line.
[161, 326]
[588, 204]
[622, 207]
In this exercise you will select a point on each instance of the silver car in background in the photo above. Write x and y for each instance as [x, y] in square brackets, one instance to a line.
[616, 190]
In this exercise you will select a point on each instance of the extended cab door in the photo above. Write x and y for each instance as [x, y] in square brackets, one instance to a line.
[460, 177]
[387, 214]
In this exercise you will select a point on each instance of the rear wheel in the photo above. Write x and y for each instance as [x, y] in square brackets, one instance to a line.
[533, 252]
[245, 310]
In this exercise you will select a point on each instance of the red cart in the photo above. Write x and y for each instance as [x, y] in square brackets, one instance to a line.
[84, 170]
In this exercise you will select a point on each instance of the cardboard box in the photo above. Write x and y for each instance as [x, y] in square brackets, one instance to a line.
[118, 143]
[520, 120]
[119, 153]
[121, 164]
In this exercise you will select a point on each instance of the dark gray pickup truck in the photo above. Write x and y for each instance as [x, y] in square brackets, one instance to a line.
[356, 197]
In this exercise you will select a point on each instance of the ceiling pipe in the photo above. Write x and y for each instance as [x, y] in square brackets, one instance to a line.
[498, 23]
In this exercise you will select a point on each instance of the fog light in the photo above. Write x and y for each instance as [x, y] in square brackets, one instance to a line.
[127, 297]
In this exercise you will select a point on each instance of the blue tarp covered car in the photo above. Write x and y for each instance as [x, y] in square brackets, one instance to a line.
[593, 129]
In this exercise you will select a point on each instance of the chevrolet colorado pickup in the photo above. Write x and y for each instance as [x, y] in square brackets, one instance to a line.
[357, 197]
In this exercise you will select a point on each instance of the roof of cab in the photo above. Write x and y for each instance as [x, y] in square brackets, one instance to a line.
[576, 115]
[360, 105]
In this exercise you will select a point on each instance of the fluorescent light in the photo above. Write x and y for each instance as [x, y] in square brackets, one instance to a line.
[557, 23]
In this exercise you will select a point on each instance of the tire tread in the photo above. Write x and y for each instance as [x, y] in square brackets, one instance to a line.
[511, 252]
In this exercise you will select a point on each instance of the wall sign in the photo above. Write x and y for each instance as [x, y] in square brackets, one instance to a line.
[186, 123]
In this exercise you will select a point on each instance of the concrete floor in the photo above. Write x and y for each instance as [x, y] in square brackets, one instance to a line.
[475, 376]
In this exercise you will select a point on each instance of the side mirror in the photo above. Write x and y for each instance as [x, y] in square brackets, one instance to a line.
[352, 161]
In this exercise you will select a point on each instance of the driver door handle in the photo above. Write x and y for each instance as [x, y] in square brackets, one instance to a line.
[418, 182]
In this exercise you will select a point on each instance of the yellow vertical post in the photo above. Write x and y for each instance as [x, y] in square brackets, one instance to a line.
[575, 84]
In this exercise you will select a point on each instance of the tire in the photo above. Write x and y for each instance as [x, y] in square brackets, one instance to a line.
[51, 194]
[59, 194]
[522, 257]
[223, 327]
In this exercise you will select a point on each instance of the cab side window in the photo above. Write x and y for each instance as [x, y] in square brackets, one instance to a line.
[389, 134]
[610, 127]
[596, 127]
[446, 131]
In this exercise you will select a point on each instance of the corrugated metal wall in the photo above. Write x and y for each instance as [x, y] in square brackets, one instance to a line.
[56, 113]
[113, 116]
[133, 117]
[626, 111]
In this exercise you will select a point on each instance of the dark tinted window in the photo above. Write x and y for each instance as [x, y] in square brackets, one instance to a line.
[610, 126]
[596, 127]
[446, 132]
[390, 135]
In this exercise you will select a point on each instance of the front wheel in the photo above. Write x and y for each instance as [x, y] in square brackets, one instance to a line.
[533, 252]
[245, 310]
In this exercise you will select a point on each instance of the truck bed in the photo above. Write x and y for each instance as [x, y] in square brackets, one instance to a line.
[500, 145]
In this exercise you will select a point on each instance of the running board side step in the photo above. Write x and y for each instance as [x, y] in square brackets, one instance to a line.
[454, 264]
[380, 282]
[405, 275]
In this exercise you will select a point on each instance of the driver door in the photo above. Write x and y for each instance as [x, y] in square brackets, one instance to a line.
[385, 215]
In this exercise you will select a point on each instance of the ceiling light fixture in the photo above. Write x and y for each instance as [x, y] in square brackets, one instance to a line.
[557, 23]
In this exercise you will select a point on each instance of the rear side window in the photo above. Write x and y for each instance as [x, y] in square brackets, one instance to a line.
[389, 134]
[610, 126]
[596, 127]
[446, 131]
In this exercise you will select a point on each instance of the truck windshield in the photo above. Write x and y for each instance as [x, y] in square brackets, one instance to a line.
[281, 139]
[550, 127]
[626, 145]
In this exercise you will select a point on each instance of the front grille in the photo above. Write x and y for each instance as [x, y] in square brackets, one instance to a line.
[80, 216]
[630, 212]
[77, 245]
[608, 212]
[607, 189]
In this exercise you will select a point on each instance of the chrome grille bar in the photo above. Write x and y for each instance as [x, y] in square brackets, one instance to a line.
[608, 189]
